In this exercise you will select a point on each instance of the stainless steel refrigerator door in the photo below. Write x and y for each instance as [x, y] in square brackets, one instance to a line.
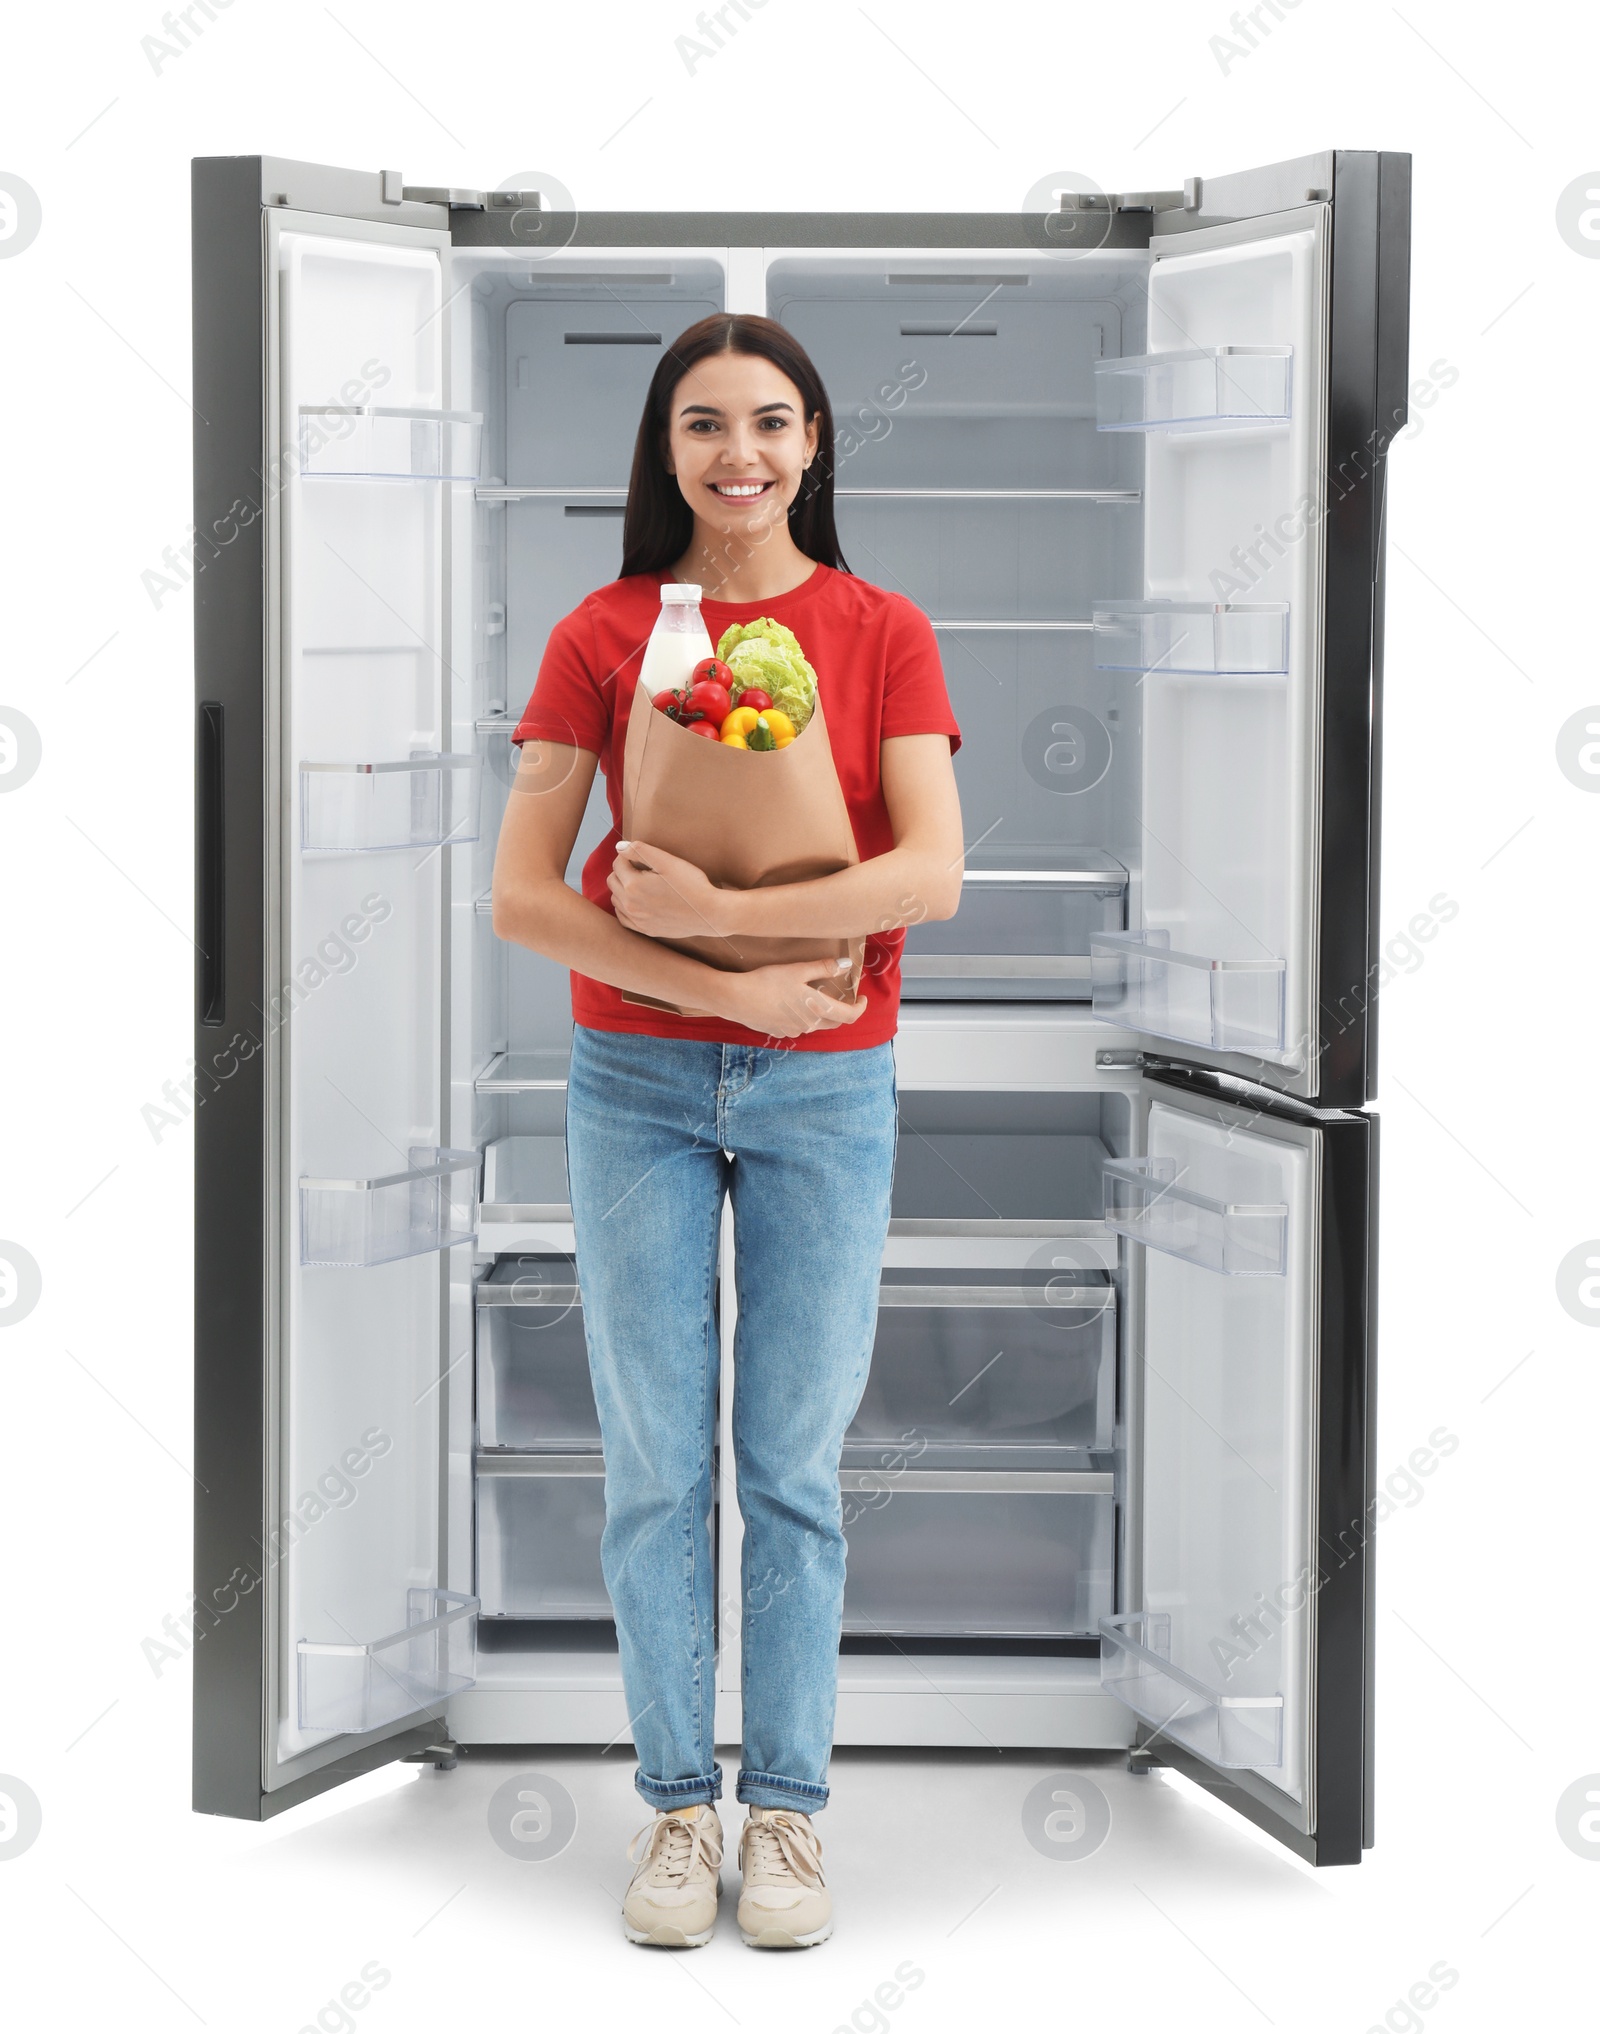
[1274, 381]
[1244, 1644]
[331, 1281]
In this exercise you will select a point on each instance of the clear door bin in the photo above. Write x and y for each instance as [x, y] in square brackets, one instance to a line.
[359, 1222]
[368, 808]
[932, 1562]
[990, 1360]
[1021, 934]
[1228, 1730]
[1204, 388]
[539, 1526]
[354, 1687]
[1139, 983]
[1146, 1201]
[363, 442]
[1192, 636]
[533, 1366]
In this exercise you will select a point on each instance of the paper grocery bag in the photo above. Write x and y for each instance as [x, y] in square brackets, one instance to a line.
[748, 819]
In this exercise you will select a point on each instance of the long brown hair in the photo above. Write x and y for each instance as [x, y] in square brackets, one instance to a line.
[659, 523]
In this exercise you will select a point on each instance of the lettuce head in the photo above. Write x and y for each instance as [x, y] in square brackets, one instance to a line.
[764, 653]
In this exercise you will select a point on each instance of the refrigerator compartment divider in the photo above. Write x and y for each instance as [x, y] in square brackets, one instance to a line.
[973, 1558]
[1229, 1730]
[1240, 1239]
[1120, 496]
[378, 808]
[1193, 636]
[1139, 983]
[1204, 388]
[586, 1462]
[355, 1223]
[353, 1687]
[366, 441]
[539, 1530]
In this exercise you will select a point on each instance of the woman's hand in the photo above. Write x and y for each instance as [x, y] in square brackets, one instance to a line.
[783, 1001]
[662, 895]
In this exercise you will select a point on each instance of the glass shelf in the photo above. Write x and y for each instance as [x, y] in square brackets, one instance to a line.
[1138, 983]
[1208, 388]
[374, 808]
[352, 1687]
[1228, 1730]
[1144, 1201]
[353, 1223]
[522, 1073]
[1190, 636]
[368, 442]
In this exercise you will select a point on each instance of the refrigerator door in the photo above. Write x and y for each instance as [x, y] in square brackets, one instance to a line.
[333, 1288]
[1244, 1643]
[1273, 380]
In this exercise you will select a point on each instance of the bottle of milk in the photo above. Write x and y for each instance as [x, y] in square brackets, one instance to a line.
[677, 642]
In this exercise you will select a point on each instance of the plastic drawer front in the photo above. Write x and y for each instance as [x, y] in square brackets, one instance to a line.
[534, 1389]
[539, 1526]
[973, 1560]
[991, 1359]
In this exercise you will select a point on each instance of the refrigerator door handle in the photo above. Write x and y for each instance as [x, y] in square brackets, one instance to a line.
[210, 865]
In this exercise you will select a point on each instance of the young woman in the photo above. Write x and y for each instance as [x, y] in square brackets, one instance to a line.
[782, 1097]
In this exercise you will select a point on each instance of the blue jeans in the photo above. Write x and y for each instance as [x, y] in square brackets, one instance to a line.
[650, 1126]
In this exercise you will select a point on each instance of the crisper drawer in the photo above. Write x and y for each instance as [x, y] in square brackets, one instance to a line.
[539, 1525]
[985, 1360]
[951, 1553]
[1021, 934]
[534, 1389]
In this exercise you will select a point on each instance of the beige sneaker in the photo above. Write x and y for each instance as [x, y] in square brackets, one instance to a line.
[672, 1900]
[784, 1903]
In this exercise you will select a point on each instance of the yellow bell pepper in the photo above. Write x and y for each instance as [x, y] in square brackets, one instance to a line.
[781, 725]
[736, 728]
[734, 741]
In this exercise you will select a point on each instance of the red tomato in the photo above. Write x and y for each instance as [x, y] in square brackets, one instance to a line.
[704, 727]
[714, 670]
[709, 698]
[753, 695]
[667, 702]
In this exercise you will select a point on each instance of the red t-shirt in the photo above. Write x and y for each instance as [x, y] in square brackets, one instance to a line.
[878, 673]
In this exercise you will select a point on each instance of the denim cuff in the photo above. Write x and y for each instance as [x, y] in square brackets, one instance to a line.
[680, 1793]
[772, 1790]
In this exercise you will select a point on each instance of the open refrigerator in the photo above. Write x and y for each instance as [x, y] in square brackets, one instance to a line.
[1109, 1482]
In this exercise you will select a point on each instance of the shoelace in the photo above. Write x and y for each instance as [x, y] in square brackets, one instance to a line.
[674, 1842]
[783, 1843]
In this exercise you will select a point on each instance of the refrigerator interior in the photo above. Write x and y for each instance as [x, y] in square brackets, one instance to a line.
[1041, 515]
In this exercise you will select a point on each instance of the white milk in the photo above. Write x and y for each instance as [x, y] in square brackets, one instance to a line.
[677, 642]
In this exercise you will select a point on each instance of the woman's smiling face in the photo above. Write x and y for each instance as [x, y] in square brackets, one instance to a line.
[738, 443]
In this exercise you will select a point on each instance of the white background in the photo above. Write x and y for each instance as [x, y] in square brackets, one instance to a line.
[129, 1906]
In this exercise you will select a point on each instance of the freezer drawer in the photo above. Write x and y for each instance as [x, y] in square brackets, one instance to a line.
[539, 1525]
[525, 1178]
[950, 1553]
[983, 1360]
[534, 1389]
[1022, 932]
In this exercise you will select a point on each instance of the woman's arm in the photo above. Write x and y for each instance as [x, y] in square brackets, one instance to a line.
[534, 906]
[919, 878]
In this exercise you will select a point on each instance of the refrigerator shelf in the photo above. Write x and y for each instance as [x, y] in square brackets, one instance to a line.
[353, 1687]
[1118, 495]
[522, 1073]
[377, 808]
[1206, 388]
[364, 441]
[1241, 1239]
[1140, 983]
[1202, 636]
[355, 1223]
[982, 626]
[1229, 1730]
[1021, 932]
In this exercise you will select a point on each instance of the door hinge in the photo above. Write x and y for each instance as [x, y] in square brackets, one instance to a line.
[442, 194]
[1118, 1056]
[1149, 201]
